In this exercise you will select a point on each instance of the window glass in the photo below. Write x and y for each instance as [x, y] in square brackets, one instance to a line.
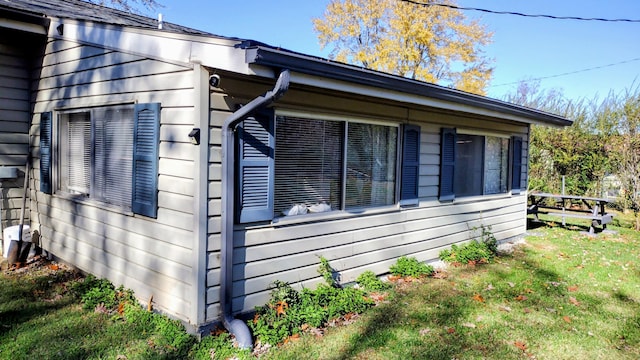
[371, 165]
[469, 165]
[96, 154]
[310, 165]
[481, 165]
[496, 165]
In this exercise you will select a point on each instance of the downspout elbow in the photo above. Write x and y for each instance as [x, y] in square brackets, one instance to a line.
[237, 327]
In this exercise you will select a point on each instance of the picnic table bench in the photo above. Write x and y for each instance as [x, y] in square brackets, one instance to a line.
[595, 211]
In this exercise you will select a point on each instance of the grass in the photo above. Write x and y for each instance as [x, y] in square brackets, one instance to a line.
[562, 295]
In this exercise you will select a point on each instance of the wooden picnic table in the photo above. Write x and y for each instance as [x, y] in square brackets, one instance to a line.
[595, 211]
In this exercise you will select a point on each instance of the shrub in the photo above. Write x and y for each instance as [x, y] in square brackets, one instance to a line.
[474, 251]
[289, 311]
[405, 266]
[369, 281]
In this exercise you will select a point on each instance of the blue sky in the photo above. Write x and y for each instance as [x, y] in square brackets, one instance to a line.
[522, 48]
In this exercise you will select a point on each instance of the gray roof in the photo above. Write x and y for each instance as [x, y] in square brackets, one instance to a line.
[262, 54]
[85, 11]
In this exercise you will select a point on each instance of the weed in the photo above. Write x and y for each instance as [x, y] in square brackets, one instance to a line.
[289, 311]
[327, 272]
[369, 281]
[473, 252]
[405, 266]
[217, 347]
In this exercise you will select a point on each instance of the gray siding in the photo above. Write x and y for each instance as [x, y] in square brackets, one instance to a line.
[15, 95]
[353, 243]
[153, 257]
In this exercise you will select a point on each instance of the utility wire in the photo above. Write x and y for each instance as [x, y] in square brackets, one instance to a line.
[521, 14]
[570, 73]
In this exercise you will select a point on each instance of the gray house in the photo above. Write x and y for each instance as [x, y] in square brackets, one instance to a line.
[197, 169]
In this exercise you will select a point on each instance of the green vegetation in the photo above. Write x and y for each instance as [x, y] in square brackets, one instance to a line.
[370, 282]
[410, 267]
[290, 312]
[473, 252]
[562, 295]
[598, 154]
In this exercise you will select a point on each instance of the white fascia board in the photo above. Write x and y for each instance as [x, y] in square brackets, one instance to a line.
[375, 92]
[22, 26]
[165, 46]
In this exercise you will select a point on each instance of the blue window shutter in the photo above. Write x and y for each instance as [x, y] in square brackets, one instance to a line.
[516, 161]
[45, 152]
[447, 164]
[410, 165]
[256, 167]
[146, 132]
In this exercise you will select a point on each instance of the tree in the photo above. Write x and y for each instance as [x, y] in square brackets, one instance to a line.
[431, 43]
[129, 5]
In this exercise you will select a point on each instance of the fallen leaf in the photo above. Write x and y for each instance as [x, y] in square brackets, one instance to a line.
[521, 298]
[566, 319]
[304, 327]
[528, 291]
[573, 301]
[478, 298]
[489, 287]
[573, 288]
[469, 325]
[520, 345]
[504, 308]
[280, 307]
[439, 275]
[451, 330]
[511, 284]
[54, 267]
[526, 310]
[424, 332]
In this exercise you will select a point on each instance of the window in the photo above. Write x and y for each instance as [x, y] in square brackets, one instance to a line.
[96, 155]
[320, 165]
[478, 165]
[107, 154]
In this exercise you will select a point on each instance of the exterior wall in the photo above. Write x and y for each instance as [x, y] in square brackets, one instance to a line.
[153, 257]
[15, 64]
[290, 250]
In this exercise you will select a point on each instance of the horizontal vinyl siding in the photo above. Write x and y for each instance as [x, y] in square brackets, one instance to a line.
[14, 128]
[218, 114]
[153, 257]
[355, 243]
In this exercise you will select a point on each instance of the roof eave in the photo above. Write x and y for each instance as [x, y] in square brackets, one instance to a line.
[266, 56]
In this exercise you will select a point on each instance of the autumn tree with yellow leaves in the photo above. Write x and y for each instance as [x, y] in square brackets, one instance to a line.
[425, 42]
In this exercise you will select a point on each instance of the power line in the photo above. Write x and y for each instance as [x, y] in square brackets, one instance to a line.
[571, 72]
[521, 14]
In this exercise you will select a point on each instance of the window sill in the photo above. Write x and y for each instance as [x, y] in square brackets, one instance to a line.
[94, 203]
[331, 215]
[479, 198]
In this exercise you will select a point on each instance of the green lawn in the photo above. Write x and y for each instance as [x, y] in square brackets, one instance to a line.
[562, 295]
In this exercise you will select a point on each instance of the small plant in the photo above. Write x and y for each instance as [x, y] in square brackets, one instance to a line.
[94, 292]
[327, 272]
[410, 267]
[288, 311]
[473, 252]
[218, 347]
[369, 281]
